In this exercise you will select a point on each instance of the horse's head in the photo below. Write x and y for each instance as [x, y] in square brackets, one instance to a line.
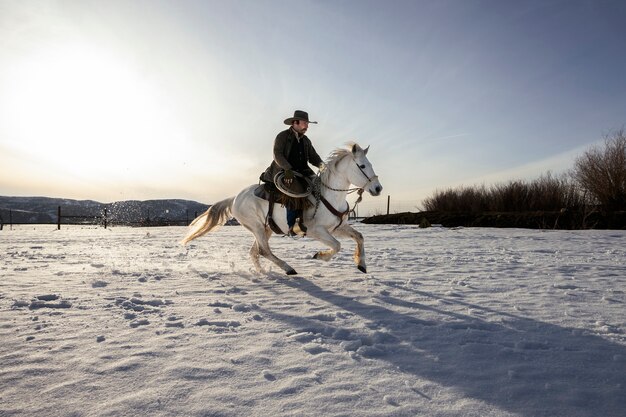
[361, 173]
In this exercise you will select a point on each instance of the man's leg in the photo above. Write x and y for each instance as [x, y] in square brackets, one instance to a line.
[292, 215]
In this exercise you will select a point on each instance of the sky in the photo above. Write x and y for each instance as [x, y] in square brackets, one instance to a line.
[151, 99]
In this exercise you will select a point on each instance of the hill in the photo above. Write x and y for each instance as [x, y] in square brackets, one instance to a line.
[27, 210]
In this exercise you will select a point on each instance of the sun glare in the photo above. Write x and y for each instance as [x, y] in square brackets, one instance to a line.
[88, 113]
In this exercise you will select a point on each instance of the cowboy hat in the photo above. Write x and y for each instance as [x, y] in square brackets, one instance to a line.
[298, 115]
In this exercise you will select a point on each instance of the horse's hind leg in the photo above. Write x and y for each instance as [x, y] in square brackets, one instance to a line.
[261, 247]
[254, 255]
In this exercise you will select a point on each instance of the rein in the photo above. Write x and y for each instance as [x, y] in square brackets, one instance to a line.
[317, 192]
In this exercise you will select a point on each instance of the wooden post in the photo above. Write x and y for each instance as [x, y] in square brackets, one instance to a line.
[388, 202]
[59, 218]
[105, 217]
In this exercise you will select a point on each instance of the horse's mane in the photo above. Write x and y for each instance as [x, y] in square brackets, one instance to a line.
[335, 157]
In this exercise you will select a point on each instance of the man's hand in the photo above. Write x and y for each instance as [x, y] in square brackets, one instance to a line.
[288, 176]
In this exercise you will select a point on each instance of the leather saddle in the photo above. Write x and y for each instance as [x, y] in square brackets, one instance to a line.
[268, 191]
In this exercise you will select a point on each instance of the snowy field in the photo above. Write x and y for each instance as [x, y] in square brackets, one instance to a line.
[447, 322]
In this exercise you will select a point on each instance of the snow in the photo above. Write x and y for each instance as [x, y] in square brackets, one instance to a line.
[447, 322]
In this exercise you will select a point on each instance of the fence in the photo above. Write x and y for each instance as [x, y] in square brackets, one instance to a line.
[101, 218]
[84, 219]
[374, 206]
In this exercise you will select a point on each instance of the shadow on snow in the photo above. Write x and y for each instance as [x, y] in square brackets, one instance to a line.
[518, 364]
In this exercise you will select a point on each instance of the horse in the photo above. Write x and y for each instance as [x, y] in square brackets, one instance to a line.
[343, 168]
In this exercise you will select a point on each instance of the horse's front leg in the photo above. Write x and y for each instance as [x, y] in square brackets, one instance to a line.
[321, 234]
[359, 253]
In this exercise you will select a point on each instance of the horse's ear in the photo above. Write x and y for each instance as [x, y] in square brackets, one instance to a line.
[366, 150]
[355, 148]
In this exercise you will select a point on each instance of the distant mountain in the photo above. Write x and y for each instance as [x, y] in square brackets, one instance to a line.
[34, 210]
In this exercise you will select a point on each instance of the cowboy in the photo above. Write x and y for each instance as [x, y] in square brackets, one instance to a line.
[293, 151]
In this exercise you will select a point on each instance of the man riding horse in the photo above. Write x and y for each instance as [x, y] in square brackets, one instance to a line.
[293, 151]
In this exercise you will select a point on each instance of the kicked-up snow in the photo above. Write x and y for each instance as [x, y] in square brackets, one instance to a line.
[447, 322]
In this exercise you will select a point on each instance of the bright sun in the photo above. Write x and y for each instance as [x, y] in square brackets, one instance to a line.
[87, 113]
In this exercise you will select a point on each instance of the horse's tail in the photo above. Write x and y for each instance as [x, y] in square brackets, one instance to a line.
[213, 218]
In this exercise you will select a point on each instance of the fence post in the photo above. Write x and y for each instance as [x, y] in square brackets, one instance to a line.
[105, 217]
[388, 202]
[59, 218]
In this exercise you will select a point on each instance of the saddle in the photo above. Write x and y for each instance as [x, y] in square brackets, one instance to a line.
[268, 191]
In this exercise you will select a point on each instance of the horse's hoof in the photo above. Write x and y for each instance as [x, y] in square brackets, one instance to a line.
[292, 272]
[362, 269]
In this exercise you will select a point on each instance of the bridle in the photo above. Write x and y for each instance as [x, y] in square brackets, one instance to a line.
[317, 192]
[375, 177]
[351, 190]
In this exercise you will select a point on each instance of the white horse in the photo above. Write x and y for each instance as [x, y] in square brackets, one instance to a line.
[343, 168]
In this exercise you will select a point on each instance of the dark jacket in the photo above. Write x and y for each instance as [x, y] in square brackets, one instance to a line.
[283, 144]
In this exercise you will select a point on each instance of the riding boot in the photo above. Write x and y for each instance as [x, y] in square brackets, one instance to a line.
[294, 221]
[298, 229]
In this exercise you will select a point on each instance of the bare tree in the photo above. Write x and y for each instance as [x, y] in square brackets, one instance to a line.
[601, 171]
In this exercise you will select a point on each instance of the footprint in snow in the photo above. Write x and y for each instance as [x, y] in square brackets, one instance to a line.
[323, 317]
[244, 308]
[267, 375]
[304, 337]
[210, 277]
[220, 304]
[219, 325]
[44, 301]
[565, 286]
[137, 323]
[314, 349]
[391, 401]
[141, 305]
[174, 321]
[48, 297]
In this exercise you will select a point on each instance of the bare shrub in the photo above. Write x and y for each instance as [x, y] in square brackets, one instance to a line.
[511, 196]
[471, 199]
[598, 179]
[547, 193]
[601, 171]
